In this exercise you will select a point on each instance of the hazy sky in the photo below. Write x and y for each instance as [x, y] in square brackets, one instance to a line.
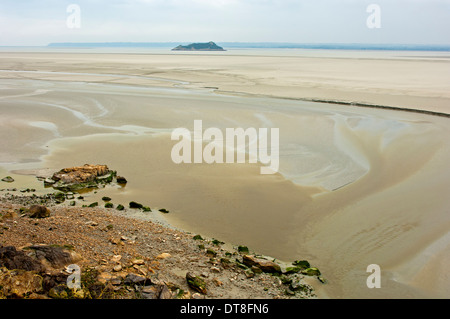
[39, 22]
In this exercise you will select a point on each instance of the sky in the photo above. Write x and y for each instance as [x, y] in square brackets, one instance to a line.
[40, 22]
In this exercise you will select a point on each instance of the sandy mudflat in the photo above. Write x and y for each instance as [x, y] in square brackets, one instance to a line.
[356, 186]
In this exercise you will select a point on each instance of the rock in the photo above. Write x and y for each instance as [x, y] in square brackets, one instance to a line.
[197, 237]
[136, 205]
[8, 179]
[311, 272]
[59, 197]
[109, 205]
[116, 258]
[80, 177]
[210, 252]
[146, 209]
[133, 279]
[215, 269]
[58, 292]
[10, 214]
[95, 204]
[160, 291]
[121, 180]
[249, 273]
[104, 277]
[196, 283]
[17, 259]
[120, 207]
[263, 264]
[117, 268]
[70, 195]
[80, 294]
[243, 249]
[72, 203]
[106, 198]
[163, 210]
[38, 211]
[138, 261]
[53, 256]
[19, 283]
[163, 256]
[293, 270]
[304, 264]
[91, 223]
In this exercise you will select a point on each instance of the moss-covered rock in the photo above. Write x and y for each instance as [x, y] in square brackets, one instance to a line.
[243, 249]
[196, 283]
[311, 272]
[136, 205]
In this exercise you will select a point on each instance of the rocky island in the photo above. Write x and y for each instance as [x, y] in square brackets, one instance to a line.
[210, 46]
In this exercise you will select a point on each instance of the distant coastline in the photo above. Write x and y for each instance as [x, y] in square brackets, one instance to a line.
[259, 45]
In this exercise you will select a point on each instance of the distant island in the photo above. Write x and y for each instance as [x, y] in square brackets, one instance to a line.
[210, 46]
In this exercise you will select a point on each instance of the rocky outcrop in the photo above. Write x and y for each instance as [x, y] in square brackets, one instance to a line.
[263, 264]
[81, 177]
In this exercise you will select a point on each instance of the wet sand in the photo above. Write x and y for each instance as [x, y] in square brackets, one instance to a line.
[356, 186]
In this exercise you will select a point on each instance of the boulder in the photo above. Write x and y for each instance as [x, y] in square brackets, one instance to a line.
[11, 258]
[38, 211]
[136, 205]
[263, 264]
[53, 256]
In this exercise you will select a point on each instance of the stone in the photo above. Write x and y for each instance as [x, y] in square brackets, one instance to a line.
[104, 277]
[163, 210]
[210, 252]
[293, 270]
[95, 204]
[109, 205]
[196, 283]
[120, 207]
[135, 205]
[304, 264]
[121, 180]
[116, 258]
[133, 279]
[197, 237]
[138, 261]
[106, 198]
[263, 264]
[117, 268]
[8, 179]
[91, 223]
[249, 273]
[163, 256]
[243, 249]
[311, 272]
